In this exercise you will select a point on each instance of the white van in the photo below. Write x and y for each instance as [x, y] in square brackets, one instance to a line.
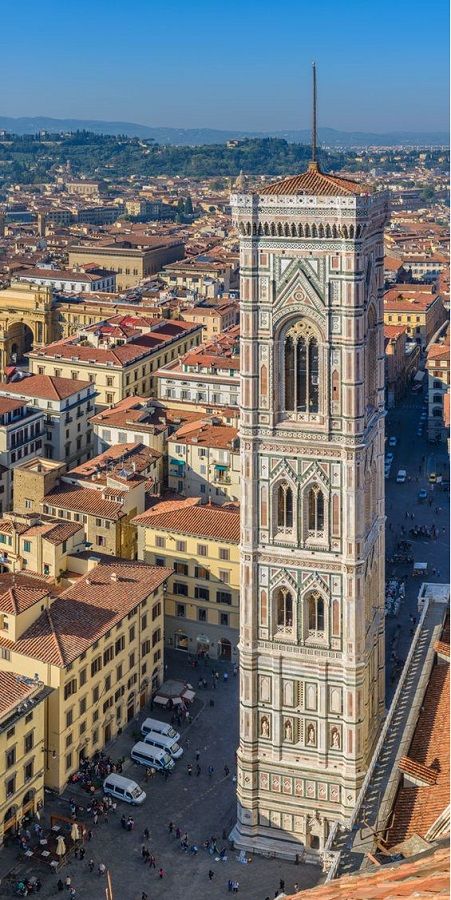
[152, 757]
[164, 743]
[159, 728]
[123, 789]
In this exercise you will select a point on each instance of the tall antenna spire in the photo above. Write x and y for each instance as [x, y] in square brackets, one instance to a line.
[314, 162]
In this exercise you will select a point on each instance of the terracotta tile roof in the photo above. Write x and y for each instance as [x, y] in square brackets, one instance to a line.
[19, 592]
[205, 434]
[425, 876]
[393, 331]
[401, 299]
[442, 648]
[7, 404]
[12, 691]
[417, 770]
[45, 387]
[214, 522]
[316, 183]
[131, 457]
[9, 527]
[417, 808]
[84, 500]
[84, 612]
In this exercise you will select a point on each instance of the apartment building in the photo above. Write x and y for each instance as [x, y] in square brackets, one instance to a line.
[30, 542]
[214, 319]
[83, 187]
[402, 358]
[204, 461]
[120, 356]
[67, 405]
[204, 275]
[22, 751]
[133, 258]
[21, 437]
[201, 545]
[99, 645]
[418, 308]
[206, 377]
[438, 369]
[71, 281]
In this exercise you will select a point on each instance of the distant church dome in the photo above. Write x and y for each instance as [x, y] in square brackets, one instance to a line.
[241, 182]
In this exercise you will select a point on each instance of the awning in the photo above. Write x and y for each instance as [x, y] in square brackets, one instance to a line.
[177, 462]
[221, 468]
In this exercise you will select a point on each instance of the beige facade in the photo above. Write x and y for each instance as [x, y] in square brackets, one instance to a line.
[104, 675]
[27, 319]
[22, 752]
[204, 461]
[131, 262]
[312, 536]
[200, 544]
[214, 319]
[32, 543]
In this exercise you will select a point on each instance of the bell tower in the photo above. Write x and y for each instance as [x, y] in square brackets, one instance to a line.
[312, 532]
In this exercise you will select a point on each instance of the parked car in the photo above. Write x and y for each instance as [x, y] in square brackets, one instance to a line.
[123, 789]
[389, 457]
[401, 476]
[392, 441]
[432, 478]
[422, 494]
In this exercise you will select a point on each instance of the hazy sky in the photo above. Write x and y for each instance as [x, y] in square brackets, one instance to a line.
[245, 64]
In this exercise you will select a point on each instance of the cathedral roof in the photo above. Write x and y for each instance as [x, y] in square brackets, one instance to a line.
[316, 183]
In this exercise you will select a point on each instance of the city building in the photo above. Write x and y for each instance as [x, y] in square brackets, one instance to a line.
[21, 437]
[67, 405]
[120, 356]
[418, 308]
[201, 545]
[132, 258]
[426, 267]
[139, 419]
[438, 369]
[38, 545]
[72, 281]
[83, 187]
[204, 275]
[27, 319]
[204, 461]
[99, 645]
[22, 728]
[312, 691]
[208, 377]
[402, 358]
[214, 319]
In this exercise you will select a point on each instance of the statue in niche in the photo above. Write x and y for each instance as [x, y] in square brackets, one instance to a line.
[335, 739]
[288, 730]
[311, 735]
[264, 727]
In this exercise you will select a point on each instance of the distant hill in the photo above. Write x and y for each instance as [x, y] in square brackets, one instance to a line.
[192, 137]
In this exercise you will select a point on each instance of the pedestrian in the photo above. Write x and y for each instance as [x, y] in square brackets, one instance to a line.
[89, 835]
[295, 887]
[189, 769]
[123, 821]
[211, 874]
[152, 863]
[160, 873]
[197, 755]
[102, 869]
[198, 769]
[225, 677]
[60, 885]
[72, 893]
[144, 896]
[236, 887]
[68, 882]
[146, 834]
[95, 818]
[82, 853]
[235, 671]
[177, 832]
[38, 884]
[91, 865]
[171, 827]
[226, 771]
[230, 885]
[281, 885]
[210, 771]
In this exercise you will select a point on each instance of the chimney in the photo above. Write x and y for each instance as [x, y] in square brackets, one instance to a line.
[114, 576]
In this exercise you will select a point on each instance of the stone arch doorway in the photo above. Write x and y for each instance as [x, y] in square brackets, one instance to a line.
[10, 821]
[19, 342]
[225, 649]
[28, 802]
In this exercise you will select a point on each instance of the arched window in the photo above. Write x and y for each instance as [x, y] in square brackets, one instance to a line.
[284, 507]
[315, 510]
[301, 369]
[437, 398]
[284, 612]
[315, 611]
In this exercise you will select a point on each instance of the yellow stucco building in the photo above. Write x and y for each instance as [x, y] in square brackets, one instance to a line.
[201, 545]
[99, 645]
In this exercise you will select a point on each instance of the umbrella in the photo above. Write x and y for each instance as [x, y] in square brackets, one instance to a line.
[74, 832]
[60, 846]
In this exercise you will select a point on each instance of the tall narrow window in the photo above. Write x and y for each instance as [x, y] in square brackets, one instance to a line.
[284, 506]
[289, 373]
[315, 613]
[315, 510]
[301, 370]
[284, 609]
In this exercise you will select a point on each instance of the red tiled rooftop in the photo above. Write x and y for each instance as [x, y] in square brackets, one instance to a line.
[84, 500]
[214, 522]
[45, 387]
[313, 182]
[18, 592]
[13, 691]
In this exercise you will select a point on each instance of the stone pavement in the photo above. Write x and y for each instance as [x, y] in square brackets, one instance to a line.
[203, 806]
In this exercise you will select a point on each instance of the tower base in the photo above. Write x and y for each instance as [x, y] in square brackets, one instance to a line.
[272, 846]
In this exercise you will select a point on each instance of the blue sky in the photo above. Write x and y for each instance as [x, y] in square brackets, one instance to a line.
[241, 64]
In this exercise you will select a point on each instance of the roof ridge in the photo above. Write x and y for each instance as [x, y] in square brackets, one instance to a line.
[55, 637]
